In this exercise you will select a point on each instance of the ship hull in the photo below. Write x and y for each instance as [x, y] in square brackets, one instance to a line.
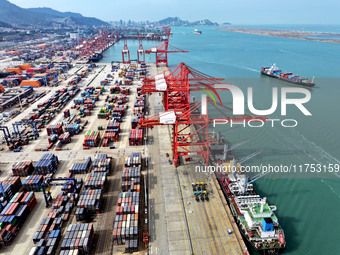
[261, 250]
[96, 58]
[309, 85]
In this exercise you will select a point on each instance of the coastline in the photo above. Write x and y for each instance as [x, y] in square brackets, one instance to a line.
[301, 35]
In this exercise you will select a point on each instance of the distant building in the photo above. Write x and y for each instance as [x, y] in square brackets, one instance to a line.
[74, 36]
[11, 37]
[6, 44]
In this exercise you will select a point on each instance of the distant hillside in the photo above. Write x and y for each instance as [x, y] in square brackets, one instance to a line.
[172, 21]
[15, 15]
[4, 24]
[204, 22]
[55, 13]
[69, 17]
[176, 21]
[12, 14]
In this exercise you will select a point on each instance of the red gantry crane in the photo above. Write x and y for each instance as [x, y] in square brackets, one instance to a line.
[125, 53]
[140, 51]
[189, 120]
[163, 49]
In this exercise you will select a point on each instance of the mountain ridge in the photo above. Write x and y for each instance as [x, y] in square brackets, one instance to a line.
[176, 21]
[15, 15]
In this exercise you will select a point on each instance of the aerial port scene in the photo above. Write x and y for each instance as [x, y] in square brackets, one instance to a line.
[169, 127]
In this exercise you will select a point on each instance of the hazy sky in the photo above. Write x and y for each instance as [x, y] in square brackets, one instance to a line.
[233, 11]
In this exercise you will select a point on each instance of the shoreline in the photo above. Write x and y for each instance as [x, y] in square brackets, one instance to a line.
[301, 35]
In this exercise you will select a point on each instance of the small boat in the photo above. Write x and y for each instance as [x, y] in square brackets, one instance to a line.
[197, 32]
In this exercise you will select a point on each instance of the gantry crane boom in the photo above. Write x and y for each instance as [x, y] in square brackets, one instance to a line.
[162, 50]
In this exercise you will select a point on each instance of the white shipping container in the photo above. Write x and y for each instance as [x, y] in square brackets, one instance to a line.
[33, 250]
[83, 234]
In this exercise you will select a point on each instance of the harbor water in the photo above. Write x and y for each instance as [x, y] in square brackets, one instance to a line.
[308, 204]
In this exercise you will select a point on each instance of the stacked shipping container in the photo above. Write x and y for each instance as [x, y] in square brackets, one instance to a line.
[65, 138]
[48, 235]
[92, 139]
[81, 168]
[55, 129]
[14, 215]
[79, 238]
[131, 178]
[47, 164]
[33, 182]
[136, 137]
[126, 223]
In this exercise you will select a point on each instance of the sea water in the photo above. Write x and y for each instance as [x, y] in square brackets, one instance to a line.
[308, 205]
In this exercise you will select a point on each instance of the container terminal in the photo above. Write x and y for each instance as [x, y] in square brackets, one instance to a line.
[102, 159]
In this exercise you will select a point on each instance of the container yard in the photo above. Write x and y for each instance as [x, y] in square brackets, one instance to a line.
[102, 181]
[42, 164]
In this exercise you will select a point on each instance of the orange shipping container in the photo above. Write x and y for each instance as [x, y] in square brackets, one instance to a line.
[40, 75]
[2, 89]
[32, 83]
[43, 75]
[24, 67]
[16, 70]
[12, 52]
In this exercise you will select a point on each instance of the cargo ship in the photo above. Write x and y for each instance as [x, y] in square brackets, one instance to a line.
[275, 72]
[256, 220]
[197, 32]
[96, 57]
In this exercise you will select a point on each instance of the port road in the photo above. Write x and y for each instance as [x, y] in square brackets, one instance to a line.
[178, 223]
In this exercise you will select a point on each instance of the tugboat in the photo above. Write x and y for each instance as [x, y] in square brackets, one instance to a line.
[275, 72]
[197, 32]
[96, 57]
